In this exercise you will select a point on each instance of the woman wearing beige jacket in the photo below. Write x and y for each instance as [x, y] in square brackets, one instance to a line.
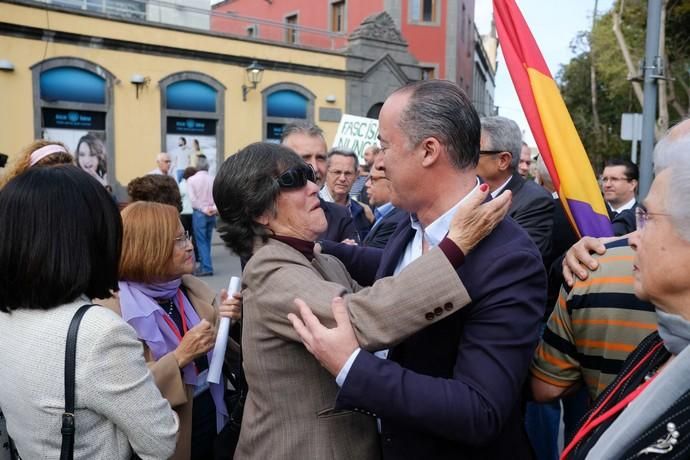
[174, 315]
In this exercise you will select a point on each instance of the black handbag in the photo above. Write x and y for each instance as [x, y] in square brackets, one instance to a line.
[67, 451]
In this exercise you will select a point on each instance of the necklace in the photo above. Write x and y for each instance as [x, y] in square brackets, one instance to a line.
[167, 304]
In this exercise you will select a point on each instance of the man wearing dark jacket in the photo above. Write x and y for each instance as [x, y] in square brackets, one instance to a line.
[386, 216]
[499, 156]
[453, 390]
[341, 170]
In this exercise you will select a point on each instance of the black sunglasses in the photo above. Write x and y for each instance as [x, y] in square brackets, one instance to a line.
[491, 152]
[297, 177]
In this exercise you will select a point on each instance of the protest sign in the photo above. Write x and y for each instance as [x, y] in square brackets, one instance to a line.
[356, 134]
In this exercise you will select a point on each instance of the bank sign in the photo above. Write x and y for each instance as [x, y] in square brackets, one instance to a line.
[356, 134]
[191, 126]
[73, 119]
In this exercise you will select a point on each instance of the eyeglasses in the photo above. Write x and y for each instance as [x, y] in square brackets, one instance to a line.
[491, 152]
[642, 216]
[615, 180]
[374, 180]
[337, 173]
[297, 176]
[181, 241]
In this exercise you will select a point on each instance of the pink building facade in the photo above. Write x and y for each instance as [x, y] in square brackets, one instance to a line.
[439, 33]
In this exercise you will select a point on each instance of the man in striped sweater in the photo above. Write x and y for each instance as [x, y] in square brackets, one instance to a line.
[594, 325]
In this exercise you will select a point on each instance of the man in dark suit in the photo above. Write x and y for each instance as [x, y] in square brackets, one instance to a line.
[341, 169]
[619, 185]
[307, 141]
[454, 389]
[499, 156]
[386, 216]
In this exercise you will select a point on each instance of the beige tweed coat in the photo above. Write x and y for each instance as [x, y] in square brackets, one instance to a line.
[289, 412]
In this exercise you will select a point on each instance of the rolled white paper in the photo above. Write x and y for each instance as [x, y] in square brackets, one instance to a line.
[216, 367]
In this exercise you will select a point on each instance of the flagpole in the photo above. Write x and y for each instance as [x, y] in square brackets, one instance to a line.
[652, 72]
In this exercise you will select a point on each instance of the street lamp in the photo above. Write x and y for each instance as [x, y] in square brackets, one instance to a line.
[254, 74]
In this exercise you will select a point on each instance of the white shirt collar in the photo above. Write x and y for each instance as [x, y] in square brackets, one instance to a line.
[325, 194]
[434, 233]
[627, 205]
[498, 191]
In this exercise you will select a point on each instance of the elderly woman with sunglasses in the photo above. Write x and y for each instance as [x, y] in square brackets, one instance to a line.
[269, 206]
[174, 315]
[644, 412]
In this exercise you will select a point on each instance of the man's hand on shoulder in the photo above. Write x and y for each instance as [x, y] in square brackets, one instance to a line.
[578, 261]
[331, 347]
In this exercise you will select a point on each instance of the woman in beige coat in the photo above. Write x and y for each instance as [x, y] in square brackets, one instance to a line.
[174, 315]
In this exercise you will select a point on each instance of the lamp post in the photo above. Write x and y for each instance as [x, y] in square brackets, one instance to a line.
[255, 73]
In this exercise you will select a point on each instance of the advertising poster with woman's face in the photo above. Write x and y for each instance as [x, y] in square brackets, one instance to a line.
[87, 147]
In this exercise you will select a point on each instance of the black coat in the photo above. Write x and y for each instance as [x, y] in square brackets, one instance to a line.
[532, 208]
[340, 224]
[624, 221]
[380, 233]
[678, 413]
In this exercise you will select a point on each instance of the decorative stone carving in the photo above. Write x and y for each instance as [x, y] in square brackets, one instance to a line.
[379, 26]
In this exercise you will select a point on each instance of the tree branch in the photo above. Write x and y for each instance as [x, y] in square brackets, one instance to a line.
[632, 71]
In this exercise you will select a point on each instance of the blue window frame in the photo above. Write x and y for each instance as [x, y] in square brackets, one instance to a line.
[71, 84]
[191, 95]
[286, 104]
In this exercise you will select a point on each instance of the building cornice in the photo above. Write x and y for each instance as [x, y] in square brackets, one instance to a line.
[71, 38]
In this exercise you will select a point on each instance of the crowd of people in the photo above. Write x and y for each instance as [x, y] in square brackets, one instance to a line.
[431, 302]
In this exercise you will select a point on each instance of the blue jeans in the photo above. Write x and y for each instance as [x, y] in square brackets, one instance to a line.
[541, 423]
[203, 231]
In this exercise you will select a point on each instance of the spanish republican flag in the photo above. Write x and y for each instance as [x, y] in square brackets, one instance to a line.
[551, 125]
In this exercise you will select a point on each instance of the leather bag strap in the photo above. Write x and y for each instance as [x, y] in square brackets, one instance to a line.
[67, 451]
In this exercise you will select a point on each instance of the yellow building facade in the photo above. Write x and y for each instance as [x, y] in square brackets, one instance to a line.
[141, 87]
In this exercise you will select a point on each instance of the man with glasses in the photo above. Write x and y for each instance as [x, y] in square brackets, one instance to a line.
[499, 157]
[341, 172]
[307, 141]
[386, 216]
[619, 185]
[533, 209]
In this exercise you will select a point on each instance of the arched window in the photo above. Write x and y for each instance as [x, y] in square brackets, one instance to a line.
[192, 118]
[284, 103]
[73, 104]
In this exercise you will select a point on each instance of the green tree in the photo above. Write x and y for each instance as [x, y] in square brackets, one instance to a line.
[615, 91]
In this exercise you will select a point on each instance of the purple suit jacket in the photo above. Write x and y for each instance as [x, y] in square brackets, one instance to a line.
[454, 389]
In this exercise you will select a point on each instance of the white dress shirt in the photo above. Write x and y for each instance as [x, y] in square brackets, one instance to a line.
[434, 234]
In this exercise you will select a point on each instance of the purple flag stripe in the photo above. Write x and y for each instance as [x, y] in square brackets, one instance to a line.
[588, 221]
